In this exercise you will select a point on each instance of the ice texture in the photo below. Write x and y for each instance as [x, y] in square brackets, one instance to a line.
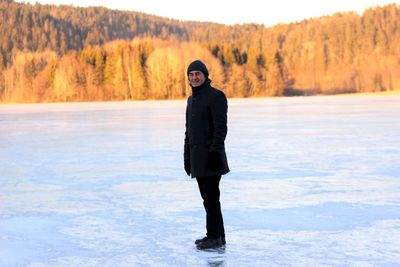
[314, 181]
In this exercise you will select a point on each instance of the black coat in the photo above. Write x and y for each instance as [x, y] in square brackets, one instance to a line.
[206, 129]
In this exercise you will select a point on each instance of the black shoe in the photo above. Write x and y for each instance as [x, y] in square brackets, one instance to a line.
[210, 243]
[198, 241]
[223, 240]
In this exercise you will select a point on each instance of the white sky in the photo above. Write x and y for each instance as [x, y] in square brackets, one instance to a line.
[232, 11]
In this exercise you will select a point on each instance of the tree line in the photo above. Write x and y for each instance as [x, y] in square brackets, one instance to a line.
[63, 53]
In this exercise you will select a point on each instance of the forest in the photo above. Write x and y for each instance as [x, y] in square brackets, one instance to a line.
[63, 53]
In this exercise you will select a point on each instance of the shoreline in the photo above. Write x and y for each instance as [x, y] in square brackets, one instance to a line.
[391, 92]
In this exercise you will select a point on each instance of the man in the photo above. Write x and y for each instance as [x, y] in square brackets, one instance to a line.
[204, 150]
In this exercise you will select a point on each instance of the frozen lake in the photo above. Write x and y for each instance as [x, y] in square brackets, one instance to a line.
[314, 182]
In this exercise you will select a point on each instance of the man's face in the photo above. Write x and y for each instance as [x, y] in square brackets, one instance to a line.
[196, 78]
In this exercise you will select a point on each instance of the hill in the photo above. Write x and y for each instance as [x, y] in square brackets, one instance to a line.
[65, 53]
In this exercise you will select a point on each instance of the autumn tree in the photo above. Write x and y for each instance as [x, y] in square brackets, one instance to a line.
[64, 53]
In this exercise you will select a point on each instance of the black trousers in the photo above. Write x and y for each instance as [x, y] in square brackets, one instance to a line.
[209, 190]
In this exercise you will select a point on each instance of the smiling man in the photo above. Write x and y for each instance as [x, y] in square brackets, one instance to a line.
[204, 150]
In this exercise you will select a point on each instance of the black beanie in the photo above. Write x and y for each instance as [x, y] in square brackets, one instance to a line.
[198, 65]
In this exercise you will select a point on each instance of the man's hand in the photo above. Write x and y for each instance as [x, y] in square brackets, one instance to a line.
[187, 167]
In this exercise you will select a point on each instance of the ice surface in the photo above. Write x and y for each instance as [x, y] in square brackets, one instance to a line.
[315, 181]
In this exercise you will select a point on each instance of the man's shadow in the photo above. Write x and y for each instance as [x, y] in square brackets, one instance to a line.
[216, 263]
[217, 258]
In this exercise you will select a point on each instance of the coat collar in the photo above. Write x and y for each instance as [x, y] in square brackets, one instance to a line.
[197, 90]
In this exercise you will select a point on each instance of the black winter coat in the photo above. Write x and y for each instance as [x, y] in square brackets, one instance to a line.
[206, 129]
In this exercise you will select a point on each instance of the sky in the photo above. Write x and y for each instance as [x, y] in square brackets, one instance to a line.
[232, 11]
